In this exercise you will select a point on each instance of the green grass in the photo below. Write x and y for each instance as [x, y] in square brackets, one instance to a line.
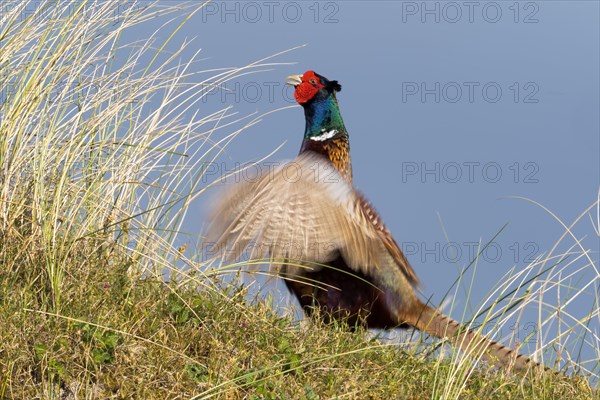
[143, 338]
[96, 177]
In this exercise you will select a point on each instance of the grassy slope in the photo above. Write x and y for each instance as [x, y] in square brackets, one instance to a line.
[117, 338]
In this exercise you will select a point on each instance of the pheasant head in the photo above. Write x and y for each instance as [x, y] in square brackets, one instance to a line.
[325, 132]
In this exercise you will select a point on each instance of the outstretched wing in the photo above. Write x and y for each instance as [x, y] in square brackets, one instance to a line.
[304, 210]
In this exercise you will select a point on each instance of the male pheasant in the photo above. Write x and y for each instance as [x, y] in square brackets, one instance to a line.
[327, 241]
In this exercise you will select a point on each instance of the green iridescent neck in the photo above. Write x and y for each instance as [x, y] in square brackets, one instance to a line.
[323, 117]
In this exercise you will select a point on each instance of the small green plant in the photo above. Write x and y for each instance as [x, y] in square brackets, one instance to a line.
[196, 372]
[102, 343]
[291, 357]
[54, 370]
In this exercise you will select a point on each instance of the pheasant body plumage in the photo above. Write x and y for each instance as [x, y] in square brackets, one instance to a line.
[327, 241]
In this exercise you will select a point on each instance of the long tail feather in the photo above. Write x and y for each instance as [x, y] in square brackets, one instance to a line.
[439, 325]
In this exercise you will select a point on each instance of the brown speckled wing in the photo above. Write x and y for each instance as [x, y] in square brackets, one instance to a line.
[306, 211]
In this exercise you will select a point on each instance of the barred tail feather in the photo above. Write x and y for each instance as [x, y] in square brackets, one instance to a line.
[439, 325]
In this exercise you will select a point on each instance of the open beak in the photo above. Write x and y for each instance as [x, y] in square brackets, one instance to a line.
[294, 80]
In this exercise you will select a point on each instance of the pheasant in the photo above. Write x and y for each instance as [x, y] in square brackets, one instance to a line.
[326, 240]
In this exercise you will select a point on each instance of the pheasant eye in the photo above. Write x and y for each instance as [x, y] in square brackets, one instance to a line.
[313, 81]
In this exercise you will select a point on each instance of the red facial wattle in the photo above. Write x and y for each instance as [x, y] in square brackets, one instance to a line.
[310, 85]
